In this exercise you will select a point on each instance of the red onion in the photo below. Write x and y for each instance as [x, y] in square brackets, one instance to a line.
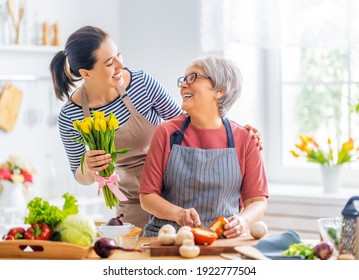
[323, 250]
[105, 247]
[117, 221]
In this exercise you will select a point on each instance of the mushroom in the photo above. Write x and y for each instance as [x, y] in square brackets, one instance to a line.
[182, 235]
[167, 235]
[167, 238]
[258, 230]
[167, 228]
[184, 228]
[188, 249]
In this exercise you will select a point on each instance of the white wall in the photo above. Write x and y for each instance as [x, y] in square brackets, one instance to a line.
[37, 141]
[161, 37]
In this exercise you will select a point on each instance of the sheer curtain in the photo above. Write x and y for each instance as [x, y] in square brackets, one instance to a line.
[280, 23]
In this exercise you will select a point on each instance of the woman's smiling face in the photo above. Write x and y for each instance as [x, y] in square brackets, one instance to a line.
[109, 65]
[198, 96]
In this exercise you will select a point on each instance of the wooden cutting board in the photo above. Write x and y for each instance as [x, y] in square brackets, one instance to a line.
[216, 248]
[10, 101]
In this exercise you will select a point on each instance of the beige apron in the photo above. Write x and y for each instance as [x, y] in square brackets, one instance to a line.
[136, 133]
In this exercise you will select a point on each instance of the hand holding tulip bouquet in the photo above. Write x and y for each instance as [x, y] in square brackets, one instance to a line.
[98, 133]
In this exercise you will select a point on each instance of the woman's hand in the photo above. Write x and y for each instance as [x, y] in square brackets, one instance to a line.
[96, 160]
[188, 217]
[236, 226]
[256, 136]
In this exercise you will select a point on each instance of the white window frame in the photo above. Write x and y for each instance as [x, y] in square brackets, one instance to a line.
[276, 172]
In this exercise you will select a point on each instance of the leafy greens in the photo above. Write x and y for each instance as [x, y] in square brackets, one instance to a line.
[40, 211]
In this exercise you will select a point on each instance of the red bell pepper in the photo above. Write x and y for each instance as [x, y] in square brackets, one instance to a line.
[38, 231]
[203, 236]
[218, 225]
[15, 233]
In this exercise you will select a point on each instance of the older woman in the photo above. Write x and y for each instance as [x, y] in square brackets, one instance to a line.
[201, 165]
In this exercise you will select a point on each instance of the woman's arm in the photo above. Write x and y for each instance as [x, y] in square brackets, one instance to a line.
[163, 209]
[162, 101]
[253, 211]
[254, 189]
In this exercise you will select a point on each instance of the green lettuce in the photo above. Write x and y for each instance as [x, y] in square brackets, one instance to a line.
[77, 229]
[40, 211]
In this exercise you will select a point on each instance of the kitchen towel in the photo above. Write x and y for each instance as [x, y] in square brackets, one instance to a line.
[276, 244]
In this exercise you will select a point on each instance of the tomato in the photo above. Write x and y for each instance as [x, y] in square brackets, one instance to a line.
[203, 236]
[218, 225]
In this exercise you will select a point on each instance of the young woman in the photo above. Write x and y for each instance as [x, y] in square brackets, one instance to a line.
[201, 165]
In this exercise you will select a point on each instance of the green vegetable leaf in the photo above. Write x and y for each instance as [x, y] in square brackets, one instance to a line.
[296, 249]
[40, 211]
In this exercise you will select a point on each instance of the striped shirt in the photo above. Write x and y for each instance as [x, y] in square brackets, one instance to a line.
[150, 98]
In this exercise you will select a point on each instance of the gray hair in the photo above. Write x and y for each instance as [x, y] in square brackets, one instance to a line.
[225, 77]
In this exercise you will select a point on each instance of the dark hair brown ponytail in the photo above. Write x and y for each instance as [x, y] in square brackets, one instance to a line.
[78, 54]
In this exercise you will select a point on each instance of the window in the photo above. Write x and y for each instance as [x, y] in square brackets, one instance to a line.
[306, 56]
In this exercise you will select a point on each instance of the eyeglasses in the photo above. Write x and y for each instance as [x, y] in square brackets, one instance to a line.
[190, 78]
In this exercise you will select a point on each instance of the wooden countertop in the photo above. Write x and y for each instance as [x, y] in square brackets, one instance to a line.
[146, 254]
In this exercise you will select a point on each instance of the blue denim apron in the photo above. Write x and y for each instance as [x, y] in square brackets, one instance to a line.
[207, 180]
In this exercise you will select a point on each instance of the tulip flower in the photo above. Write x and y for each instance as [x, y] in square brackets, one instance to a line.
[98, 133]
[310, 149]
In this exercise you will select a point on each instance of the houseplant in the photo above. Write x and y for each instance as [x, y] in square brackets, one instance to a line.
[330, 158]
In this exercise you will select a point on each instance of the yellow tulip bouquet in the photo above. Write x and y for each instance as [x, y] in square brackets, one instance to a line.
[98, 133]
[309, 148]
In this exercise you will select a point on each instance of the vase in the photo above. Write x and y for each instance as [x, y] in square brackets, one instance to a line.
[331, 178]
[12, 196]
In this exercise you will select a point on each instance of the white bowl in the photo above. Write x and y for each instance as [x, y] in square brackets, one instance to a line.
[114, 231]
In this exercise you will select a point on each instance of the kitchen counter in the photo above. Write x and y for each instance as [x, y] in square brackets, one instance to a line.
[59, 250]
[146, 255]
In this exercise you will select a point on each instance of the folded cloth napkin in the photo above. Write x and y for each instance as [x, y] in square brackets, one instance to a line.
[278, 243]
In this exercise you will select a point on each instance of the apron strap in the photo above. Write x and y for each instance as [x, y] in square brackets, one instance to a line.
[126, 99]
[121, 91]
[177, 136]
[85, 103]
[229, 132]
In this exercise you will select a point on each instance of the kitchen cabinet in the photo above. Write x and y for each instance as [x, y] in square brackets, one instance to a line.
[299, 208]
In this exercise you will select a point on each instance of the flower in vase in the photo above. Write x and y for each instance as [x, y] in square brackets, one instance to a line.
[98, 133]
[16, 170]
[310, 149]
